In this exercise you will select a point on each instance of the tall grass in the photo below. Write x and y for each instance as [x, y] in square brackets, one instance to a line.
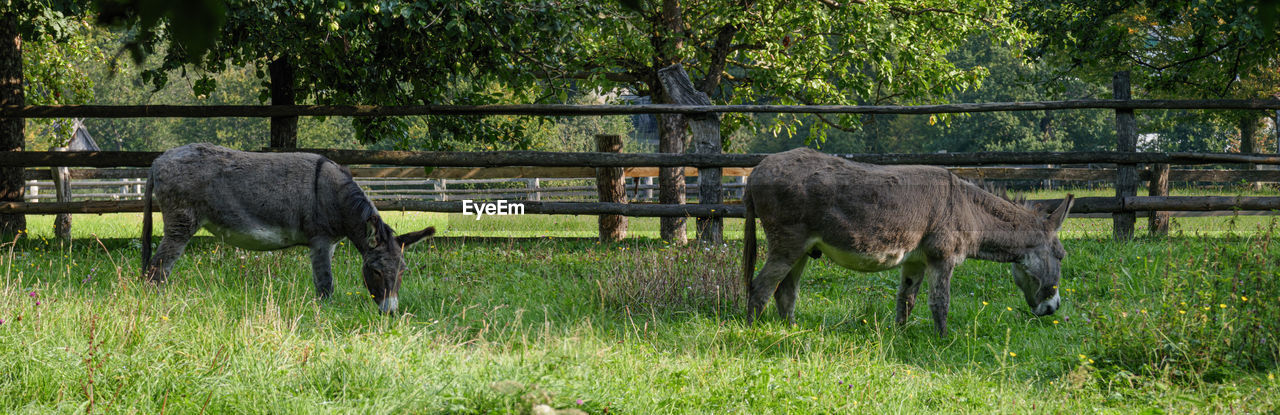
[1183, 324]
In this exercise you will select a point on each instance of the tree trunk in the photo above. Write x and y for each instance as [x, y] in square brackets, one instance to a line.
[1248, 125]
[12, 137]
[284, 130]
[667, 40]
[672, 130]
[611, 188]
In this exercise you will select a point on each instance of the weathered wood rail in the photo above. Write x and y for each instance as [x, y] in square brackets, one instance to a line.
[1083, 205]
[1126, 174]
[993, 173]
[274, 111]
[590, 159]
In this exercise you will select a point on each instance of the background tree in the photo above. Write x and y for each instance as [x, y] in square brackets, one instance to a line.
[23, 22]
[1175, 49]
[353, 52]
[816, 52]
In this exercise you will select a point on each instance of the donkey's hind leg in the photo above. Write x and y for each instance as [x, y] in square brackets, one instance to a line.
[179, 227]
[785, 296]
[912, 276]
[776, 269]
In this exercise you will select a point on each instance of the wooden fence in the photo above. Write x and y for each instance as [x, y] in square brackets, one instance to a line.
[704, 124]
[638, 188]
[1130, 204]
[577, 184]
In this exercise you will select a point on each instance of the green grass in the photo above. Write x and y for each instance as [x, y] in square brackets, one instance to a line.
[494, 325]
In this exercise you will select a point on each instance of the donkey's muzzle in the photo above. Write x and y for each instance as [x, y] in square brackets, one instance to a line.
[1047, 307]
[389, 304]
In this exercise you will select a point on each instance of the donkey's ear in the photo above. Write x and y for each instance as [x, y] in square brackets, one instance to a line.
[413, 237]
[1060, 214]
[371, 233]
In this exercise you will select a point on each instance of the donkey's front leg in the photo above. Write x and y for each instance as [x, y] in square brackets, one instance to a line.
[321, 265]
[939, 272]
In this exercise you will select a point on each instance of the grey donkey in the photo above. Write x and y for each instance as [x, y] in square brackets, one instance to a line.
[270, 201]
[871, 218]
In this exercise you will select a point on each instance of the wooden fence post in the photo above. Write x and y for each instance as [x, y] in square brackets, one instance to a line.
[441, 187]
[610, 184]
[706, 140]
[647, 183]
[62, 182]
[533, 183]
[1126, 174]
[1158, 222]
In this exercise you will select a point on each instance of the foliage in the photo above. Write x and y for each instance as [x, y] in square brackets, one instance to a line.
[191, 25]
[1011, 78]
[1175, 49]
[791, 52]
[351, 52]
[58, 70]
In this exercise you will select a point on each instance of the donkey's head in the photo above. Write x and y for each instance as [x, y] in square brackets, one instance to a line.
[1036, 272]
[384, 261]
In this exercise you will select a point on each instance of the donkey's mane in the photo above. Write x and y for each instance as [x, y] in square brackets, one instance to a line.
[999, 190]
[358, 205]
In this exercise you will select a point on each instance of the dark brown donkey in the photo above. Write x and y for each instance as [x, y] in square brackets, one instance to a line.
[267, 202]
[871, 218]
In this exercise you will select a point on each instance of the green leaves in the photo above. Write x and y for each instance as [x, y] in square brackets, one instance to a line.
[192, 25]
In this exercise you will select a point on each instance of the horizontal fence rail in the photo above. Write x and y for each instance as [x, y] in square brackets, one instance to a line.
[575, 159]
[1083, 205]
[266, 111]
[497, 174]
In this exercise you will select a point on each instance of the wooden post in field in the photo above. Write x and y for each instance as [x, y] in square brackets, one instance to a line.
[612, 188]
[706, 140]
[62, 182]
[1158, 222]
[442, 188]
[533, 183]
[80, 141]
[1126, 174]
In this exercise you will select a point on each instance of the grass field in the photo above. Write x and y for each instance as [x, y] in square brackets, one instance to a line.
[1187, 324]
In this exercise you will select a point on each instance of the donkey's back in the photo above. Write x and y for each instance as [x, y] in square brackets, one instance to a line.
[879, 211]
[251, 200]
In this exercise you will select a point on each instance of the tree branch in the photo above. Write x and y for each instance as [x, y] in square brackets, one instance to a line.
[902, 11]
[719, 55]
[1153, 67]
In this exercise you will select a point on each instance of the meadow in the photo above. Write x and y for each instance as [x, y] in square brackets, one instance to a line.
[506, 313]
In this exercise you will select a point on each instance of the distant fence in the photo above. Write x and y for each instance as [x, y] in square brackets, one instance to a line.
[422, 176]
[576, 184]
[706, 141]
[127, 184]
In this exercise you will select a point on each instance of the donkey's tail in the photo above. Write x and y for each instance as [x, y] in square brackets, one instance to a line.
[748, 244]
[146, 224]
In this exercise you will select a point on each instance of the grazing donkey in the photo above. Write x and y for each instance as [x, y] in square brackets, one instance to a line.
[267, 202]
[870, 218]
